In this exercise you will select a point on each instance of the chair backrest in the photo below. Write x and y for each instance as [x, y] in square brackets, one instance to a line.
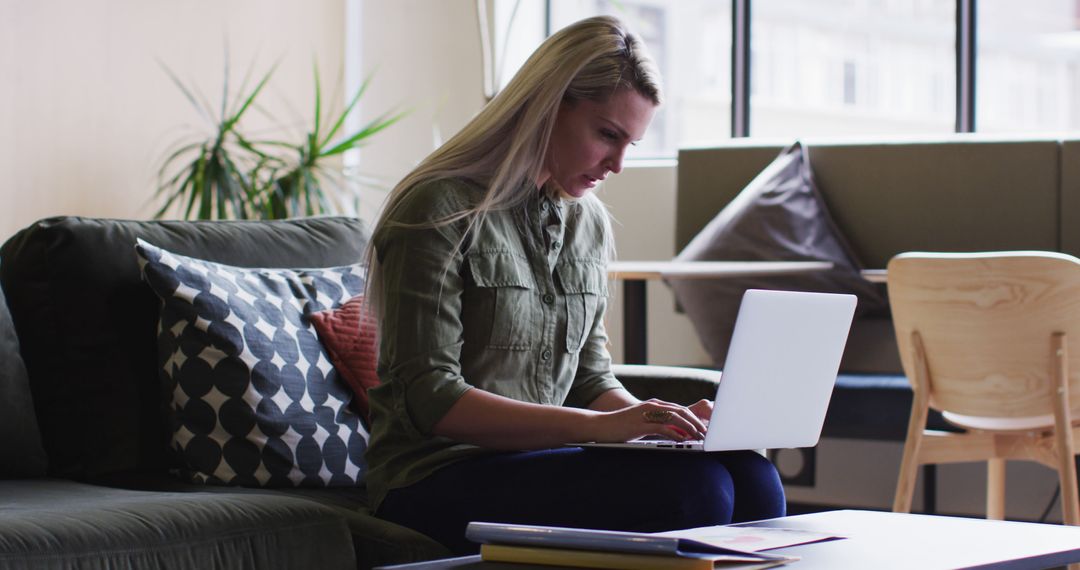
[986, 322]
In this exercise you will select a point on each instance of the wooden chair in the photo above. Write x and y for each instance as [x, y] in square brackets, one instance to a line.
[992, 340]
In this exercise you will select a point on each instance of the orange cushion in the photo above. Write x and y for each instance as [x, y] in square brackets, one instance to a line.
[348, 335]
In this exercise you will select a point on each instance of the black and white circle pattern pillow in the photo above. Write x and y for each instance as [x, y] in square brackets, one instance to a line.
[255, 400]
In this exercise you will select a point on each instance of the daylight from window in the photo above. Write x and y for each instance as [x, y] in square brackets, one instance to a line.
[1028, 74]
[843, 67]
[827, 68]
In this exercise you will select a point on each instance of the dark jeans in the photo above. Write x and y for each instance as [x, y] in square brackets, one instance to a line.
[611, 489]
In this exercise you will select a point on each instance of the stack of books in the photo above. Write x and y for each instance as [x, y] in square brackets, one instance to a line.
[693, 549]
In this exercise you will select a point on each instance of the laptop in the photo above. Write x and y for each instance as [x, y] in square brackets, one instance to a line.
[779, 374]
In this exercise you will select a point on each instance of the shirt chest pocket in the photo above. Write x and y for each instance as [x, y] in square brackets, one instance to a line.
[501, 311]
[584, 284]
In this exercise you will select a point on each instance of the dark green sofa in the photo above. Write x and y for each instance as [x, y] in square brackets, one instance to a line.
[84, 472]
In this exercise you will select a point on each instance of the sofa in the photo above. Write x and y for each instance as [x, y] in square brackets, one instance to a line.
[946, 193]
[86, 476]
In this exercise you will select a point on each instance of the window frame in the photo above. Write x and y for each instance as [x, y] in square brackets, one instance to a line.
[966, 49]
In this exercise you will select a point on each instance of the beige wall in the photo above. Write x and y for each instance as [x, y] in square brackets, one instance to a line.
[86, 111]
[642, 200]
[424, 57]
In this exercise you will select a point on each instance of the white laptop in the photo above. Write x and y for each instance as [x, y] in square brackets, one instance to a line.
[779, 374]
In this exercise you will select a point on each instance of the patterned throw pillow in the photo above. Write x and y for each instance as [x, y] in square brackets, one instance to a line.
[348, 334]
[255, 400]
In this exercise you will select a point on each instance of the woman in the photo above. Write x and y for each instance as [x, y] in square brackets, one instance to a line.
[489, 275]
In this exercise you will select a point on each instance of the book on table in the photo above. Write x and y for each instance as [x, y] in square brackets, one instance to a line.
[620, 560]
[691, 549]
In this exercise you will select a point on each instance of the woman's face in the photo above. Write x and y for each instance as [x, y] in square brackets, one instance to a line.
[590, 139]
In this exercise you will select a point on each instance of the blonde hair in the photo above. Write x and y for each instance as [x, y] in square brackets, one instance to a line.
[504, 146]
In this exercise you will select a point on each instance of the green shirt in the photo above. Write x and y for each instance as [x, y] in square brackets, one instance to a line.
[520, 313]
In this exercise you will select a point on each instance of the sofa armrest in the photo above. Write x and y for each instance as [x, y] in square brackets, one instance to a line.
[671, 383]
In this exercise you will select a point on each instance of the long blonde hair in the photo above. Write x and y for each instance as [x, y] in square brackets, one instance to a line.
[504, 146]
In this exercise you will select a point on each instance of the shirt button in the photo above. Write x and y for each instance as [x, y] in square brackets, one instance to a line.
[546, 355]
[556, 244]
[549, 298]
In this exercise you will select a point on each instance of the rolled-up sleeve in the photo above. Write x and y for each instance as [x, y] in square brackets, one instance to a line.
[420, 294]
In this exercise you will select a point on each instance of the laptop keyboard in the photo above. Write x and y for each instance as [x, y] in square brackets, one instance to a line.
[668, 443]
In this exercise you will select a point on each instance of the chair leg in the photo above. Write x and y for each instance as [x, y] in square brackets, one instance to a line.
[909, 474]
[995, 489]
[920, 406]
[909, 464]
[1063, 433]
[1070, 503]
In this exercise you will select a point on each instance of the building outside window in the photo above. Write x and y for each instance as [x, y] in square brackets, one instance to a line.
[824, 68]
[691, 43]
[1028, 57]
[851, 67]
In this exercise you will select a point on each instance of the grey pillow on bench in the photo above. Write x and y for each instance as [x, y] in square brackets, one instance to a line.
[21, 453]
[779, 216]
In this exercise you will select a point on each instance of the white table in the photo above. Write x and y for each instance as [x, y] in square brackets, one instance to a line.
[875, 275]
[884, 541]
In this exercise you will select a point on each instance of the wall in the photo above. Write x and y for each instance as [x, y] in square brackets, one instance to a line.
[642, 201]
[424, 58]
[87, 112]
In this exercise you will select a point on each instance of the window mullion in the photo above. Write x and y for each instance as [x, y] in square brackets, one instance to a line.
[965, 66]
[740, 68]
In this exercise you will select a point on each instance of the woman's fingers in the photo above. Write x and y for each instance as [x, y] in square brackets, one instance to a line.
[675, 433]
[703, 410]
[668, 417]
[654, 417]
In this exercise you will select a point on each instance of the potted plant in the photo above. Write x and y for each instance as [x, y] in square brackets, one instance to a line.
[230, 176]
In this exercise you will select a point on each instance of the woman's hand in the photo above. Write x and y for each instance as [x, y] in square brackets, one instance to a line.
[703, 410]
[486, 419]
[652, 417]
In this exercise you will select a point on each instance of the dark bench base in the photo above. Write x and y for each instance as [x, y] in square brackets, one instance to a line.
[875, 407]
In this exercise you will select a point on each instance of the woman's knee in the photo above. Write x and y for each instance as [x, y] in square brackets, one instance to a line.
[758, 490]
[694, 492]
[747, 465]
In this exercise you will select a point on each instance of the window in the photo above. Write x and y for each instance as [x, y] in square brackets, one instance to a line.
[690, 41]
[843, 67]
[836, 67]
[1028, 74]
[849, 82]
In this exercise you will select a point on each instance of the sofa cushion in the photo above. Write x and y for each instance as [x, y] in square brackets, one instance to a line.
[255, 399]
[377, 542]
[348, 333]
[779, 216]
[21, 454]
[64, 524]
[87, 322]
